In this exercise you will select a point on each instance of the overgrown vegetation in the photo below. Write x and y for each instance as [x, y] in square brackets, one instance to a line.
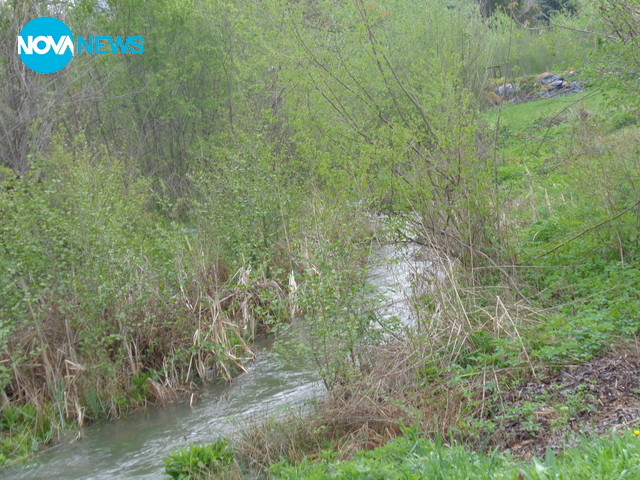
[158, 211]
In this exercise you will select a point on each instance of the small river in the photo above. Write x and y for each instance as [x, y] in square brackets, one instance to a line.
[133, 447]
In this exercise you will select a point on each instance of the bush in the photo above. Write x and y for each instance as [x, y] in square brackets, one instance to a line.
[201, 462]
[105, 305]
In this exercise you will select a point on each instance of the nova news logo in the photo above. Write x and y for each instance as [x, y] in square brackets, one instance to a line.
[46, 45]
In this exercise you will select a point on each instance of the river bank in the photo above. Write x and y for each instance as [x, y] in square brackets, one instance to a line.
[133, 446]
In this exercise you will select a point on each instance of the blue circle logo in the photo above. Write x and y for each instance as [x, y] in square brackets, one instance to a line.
[45, 45]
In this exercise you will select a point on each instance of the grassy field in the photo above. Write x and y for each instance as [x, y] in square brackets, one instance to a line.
[527, 115]
[412, 457]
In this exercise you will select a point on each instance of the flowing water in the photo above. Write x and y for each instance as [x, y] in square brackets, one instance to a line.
[132, 447]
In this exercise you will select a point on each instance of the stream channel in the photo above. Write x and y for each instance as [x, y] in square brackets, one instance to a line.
[133, 447]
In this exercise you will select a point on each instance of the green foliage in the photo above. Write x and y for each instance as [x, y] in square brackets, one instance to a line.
[158, 205]
[622, 119]
[22, 430]
[101, 289]
[158, 107]
[574, 174]
[199, 461]
[581, 330]
[521, 51]
[241, 201]
[616, 60]
[414, 457]
[336, 303]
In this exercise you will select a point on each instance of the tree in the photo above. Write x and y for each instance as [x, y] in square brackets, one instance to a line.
[548, 8]
[619, 53]
[157, 106]
[27, 99]
[489, 7]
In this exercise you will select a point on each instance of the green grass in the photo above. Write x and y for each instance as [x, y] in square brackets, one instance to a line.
[575, 168]
[534, 136]
[521, 116]
[413, 457]
[566, 164]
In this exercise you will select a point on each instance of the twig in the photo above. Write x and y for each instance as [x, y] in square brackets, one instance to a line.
[553, 25]
[587, 230]
[470, 248]
[560, 112]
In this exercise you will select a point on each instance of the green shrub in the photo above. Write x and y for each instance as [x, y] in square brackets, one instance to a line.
[199, 461]
[101, 296]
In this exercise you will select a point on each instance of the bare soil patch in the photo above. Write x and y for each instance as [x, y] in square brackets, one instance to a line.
[593, 398]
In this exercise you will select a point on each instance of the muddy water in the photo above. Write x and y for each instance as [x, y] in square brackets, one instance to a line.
[132, 448]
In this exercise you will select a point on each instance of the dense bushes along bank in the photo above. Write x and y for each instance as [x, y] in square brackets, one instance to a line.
[272, 140]
[108, 305]
[105, 304]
